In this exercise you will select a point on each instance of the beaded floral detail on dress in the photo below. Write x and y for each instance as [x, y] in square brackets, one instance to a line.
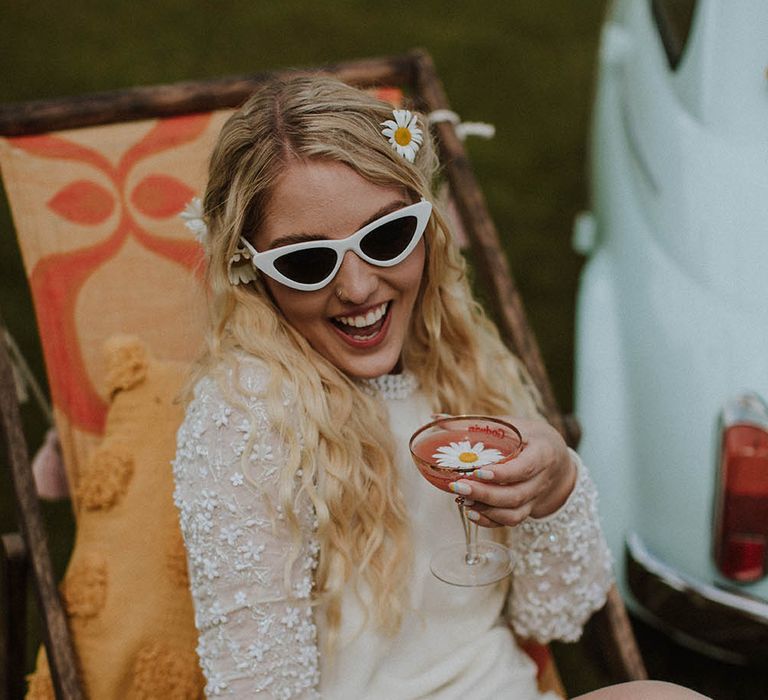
[562, 567]
[257, 633]
[390, 386]
[252, 582]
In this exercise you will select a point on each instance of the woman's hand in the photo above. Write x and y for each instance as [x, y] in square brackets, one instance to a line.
[535, 483]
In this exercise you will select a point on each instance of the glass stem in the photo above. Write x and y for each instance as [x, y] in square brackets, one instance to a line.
[470, 535]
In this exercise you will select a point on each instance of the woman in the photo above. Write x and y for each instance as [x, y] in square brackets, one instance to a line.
[307, 528]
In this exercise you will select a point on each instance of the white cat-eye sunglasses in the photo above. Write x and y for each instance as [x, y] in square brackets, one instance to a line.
[311, 265]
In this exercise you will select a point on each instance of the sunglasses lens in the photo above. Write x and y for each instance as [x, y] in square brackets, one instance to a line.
[387, 241]
[306, 266]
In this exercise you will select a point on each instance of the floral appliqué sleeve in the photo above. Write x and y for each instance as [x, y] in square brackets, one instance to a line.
[257, 637]
[562, 567]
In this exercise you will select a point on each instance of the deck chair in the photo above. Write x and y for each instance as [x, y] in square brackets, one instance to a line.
[94, 185]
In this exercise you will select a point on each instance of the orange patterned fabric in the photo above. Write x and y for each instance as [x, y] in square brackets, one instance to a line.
[96, 213]
[125, 497]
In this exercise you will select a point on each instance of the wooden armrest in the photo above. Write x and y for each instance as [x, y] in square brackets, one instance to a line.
[612, 633]
[58, 642]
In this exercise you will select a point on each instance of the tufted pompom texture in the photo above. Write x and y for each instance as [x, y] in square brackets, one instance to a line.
[40, 684]
[164, 673]
[105, 478]
[127, 362]
[84, 588]
[126, 589]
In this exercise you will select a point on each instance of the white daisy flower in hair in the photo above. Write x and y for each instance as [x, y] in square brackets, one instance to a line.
[403, 133]
[465, 455]
[193, 219]
[240, 270]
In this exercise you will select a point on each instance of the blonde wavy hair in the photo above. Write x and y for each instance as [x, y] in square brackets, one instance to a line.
[338, 446]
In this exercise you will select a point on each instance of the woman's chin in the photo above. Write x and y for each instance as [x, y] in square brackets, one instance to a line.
[368, 365]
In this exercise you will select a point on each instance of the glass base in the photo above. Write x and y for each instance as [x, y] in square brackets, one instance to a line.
[449, 564]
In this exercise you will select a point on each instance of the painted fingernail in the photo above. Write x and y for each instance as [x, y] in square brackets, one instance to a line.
[483, 474]
[468, 502]
[473, 515]
[460, 488]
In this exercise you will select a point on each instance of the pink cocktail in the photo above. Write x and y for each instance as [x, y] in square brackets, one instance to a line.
[451, 448]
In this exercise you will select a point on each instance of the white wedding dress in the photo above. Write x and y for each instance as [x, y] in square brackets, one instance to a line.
[259, 634]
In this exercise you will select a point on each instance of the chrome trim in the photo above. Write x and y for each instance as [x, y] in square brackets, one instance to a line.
[702, 616]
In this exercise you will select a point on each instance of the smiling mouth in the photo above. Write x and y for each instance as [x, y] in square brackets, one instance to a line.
[363, 327]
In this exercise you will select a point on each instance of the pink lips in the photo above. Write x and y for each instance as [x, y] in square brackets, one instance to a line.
[368, 342]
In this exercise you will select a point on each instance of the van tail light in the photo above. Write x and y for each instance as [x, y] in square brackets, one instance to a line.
[741, 506]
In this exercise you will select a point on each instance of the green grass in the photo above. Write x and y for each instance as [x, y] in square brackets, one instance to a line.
[525, 66]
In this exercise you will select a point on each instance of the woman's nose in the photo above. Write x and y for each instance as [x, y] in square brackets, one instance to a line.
[356, 280]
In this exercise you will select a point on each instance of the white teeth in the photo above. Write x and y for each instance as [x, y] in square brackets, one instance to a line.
[362, 321]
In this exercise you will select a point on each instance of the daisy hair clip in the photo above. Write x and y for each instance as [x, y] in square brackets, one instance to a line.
[240, 270]
[193, 219]
[239, 267]
[403, 133]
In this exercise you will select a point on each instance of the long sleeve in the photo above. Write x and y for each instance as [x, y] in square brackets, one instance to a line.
[562, 567]
[257, 636]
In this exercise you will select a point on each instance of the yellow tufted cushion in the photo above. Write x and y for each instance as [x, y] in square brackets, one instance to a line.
[126, 587]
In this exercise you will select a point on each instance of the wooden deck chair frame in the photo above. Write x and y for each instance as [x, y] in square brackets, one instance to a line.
[27, 553]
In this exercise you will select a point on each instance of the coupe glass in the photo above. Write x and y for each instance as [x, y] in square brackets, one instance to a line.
[451, 448]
